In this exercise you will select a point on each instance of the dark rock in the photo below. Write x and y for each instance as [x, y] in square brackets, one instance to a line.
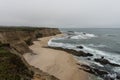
[93, 70]
[84, 33]
[100, 72]
[102, 61]
[88, 58]
[81, 47]
[73, 52]
[89, 54]
[113, 64]
[86, 66]
[118, 76]
[108, 78]
[105, 61]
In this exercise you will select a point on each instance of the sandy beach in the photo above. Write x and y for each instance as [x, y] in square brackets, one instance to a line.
[55, 62]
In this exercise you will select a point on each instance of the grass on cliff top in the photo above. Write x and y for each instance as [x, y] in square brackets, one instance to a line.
[17, 28]
[12, 67]
[20, 28]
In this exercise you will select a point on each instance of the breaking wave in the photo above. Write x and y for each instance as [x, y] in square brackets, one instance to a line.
[98, 46]
[95, 52]
[97, 49]
[80, 35]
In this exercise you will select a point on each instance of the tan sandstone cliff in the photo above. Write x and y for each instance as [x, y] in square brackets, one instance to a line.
[18, 40]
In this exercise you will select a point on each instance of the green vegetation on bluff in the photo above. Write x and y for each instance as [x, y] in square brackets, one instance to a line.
[12, 67]
[20, 28]
[17, 28]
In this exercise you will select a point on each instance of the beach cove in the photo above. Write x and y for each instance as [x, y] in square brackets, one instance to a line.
[54, 62]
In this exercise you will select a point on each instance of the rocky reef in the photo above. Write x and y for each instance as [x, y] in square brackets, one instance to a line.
[14, 42]
[73, 52]
[105, 71]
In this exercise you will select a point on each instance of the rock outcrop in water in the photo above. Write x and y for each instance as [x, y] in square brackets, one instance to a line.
[73, 52]
[94, 70]
[105, 62]
[16, 41]
[99, 72]
[80, 47]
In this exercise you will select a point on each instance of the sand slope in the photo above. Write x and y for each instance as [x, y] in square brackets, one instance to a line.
[55, 62]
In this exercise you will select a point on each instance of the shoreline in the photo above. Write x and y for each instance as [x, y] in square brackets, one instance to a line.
[55, 62]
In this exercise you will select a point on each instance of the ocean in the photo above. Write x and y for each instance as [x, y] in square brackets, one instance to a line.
[97, 41]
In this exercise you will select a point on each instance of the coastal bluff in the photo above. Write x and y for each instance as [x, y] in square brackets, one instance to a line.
[16, 41]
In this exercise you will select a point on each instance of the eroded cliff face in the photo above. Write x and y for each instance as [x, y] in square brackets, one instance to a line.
[48, 32]
[16, 39]
[17, 42]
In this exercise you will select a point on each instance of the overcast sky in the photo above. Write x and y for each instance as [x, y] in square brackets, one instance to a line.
[60, 13]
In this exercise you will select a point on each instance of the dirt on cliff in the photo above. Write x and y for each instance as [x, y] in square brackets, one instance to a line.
[20, 38]
[15, 40]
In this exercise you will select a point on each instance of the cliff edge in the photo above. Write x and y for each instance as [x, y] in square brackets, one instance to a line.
[15, 40]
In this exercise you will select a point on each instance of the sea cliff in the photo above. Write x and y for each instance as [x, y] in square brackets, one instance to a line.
[15, 40]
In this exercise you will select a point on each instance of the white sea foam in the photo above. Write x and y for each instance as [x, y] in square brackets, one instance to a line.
[98, 53]
[98, 64]
[95, 52]
[117, 69]
[63, 45]
[72, 46]
[82, 35]
[93, 45]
